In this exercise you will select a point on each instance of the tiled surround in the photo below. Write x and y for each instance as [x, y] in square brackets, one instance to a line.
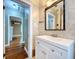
[69, 21]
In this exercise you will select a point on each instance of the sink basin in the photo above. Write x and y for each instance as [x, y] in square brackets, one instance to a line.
[64, 43]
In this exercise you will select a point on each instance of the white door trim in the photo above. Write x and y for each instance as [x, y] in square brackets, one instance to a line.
[29, 30]
[9, 31]
[5, 45]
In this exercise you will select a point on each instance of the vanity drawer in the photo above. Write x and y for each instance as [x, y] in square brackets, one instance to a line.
[56, 52]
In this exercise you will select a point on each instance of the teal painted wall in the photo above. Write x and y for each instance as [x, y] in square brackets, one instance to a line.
[17, 11]
[25, 27]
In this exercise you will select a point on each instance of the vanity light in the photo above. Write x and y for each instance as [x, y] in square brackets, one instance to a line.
[50, 2]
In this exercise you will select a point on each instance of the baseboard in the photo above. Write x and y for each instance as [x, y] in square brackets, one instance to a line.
[6, 45]
[25, 50]
[22, 42]
[33, 51]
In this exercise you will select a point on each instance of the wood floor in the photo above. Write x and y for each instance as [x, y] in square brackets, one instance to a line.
[15, 50]
[15, 53]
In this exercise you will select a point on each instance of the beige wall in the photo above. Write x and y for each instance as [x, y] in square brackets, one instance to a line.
[35, 17]
[69, 21]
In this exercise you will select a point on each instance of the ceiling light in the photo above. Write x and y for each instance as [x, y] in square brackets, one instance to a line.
[14, 6]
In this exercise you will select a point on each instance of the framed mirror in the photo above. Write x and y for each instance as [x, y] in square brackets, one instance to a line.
[55, 16]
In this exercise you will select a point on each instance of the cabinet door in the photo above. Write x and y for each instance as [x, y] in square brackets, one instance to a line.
[49, 51]
[42, 52]
[58, 53]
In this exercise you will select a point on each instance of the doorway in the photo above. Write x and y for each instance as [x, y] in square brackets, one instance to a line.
[17, 24]
[15, 31]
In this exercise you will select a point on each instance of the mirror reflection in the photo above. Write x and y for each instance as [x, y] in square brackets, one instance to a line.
[55, 16]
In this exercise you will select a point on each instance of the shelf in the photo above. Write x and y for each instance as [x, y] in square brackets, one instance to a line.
[17, 35]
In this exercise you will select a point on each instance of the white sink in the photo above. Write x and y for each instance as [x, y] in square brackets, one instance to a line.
[63, 43]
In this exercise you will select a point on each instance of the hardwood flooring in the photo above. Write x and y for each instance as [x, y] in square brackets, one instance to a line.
[15, 53]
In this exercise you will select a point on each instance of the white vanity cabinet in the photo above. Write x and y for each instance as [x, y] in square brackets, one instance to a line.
[42, 52]
[47, 49]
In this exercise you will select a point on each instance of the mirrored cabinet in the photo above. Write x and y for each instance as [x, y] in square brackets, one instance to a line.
[55, 16]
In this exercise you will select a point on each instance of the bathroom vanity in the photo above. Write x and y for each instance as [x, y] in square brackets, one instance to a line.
[48, 47]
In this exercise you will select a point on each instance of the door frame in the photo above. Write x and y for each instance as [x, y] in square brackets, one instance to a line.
[30, 29]
[29, 51]
[9, 25]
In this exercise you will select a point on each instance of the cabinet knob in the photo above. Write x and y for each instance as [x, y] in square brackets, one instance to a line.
[43, 52]
[38, 42]
[61, 54]
[53, 50]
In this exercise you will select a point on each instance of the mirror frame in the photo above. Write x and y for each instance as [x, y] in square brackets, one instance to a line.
[55, 3]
